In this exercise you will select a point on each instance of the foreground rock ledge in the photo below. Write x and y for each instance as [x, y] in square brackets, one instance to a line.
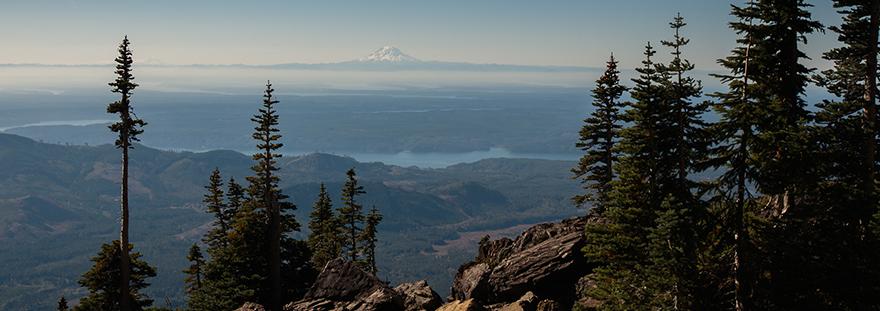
[342, 285]
[541, 267]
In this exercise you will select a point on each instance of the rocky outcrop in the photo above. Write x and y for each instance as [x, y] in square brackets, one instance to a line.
[344, 286]
[418, 296]
[465, 305]
[250, 306]
[543, 266]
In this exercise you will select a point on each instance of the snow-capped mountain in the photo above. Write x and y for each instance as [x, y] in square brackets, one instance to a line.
[389, 54]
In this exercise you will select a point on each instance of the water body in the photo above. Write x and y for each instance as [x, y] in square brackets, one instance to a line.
[58, 123]
[441, 160]
[427, 160]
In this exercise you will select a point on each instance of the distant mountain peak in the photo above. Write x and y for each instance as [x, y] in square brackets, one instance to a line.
[389, 54]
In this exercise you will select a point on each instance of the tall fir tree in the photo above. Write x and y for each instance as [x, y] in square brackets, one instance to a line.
[847, 134]
[369, 239]
[324, 239]
[733, 136]
[598, 137]
[267, 196]
[676, 237]
[782, 147]
[228, 276]
[618, 243]
[102, 281]
[351, 216]
[217, 237]
[195, 271]
[847, 125]
[128, 128]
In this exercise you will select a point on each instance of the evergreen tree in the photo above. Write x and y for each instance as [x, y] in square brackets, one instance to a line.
[62, 304]
[369, 240]
[214, 201]
[235, 196]
[734, 141]
[194, 273]
[847, 125]
[847, 134]
[782, 145]
[675, 240]
[128, 128]
[598, 137]
[324, 239]
[229, 278]
[351, 215]
[267, 197]
[618, 243]
[102, 280]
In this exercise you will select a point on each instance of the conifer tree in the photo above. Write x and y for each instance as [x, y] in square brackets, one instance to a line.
[782, 147]
[598, 136]
[846, 129]
[214, 202]
[62, 304]
[230, 276]
[351, 215]
[847, 125]
[128, 128]
[102, 281]
[734, 141]
[369, 240]
[674, 242]
[324, 239]
[266, 195]
[617, 244]
[235, 196]
[195, 272]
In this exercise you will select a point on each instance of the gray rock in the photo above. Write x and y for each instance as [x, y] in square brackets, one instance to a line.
[250, 306]
[546, 260]
[344, 286]
[462, 305]
[470, 281]
[418, 296]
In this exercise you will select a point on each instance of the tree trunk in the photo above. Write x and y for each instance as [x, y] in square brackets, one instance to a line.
[274, 230]
[870, 108]
[124, 261]
[275, 258]
[740, 236]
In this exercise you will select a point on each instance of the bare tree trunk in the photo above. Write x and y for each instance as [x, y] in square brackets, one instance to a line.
[870, 108]
[275, 232]
[124, 260]
[740, 236]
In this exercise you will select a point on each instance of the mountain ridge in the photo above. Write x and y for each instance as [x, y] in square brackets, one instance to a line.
[423, 207]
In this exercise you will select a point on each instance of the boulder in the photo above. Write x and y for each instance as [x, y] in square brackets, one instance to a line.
[418, 296]
[250, 306]
[548, 305]
[462, 305]
[343, 285]
[527, 302]
[545, 260]
[470, 281]
[343, 280]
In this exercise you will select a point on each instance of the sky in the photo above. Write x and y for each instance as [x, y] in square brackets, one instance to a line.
[563, 32]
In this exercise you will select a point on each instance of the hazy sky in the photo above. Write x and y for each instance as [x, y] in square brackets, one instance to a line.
[575, 32]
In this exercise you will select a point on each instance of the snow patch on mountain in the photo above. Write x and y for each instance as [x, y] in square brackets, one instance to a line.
[389, 54]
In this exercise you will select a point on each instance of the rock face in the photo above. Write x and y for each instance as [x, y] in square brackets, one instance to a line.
[343, 286]
[465, 305]
[543, 264]
[418, 296]
[250, 306]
